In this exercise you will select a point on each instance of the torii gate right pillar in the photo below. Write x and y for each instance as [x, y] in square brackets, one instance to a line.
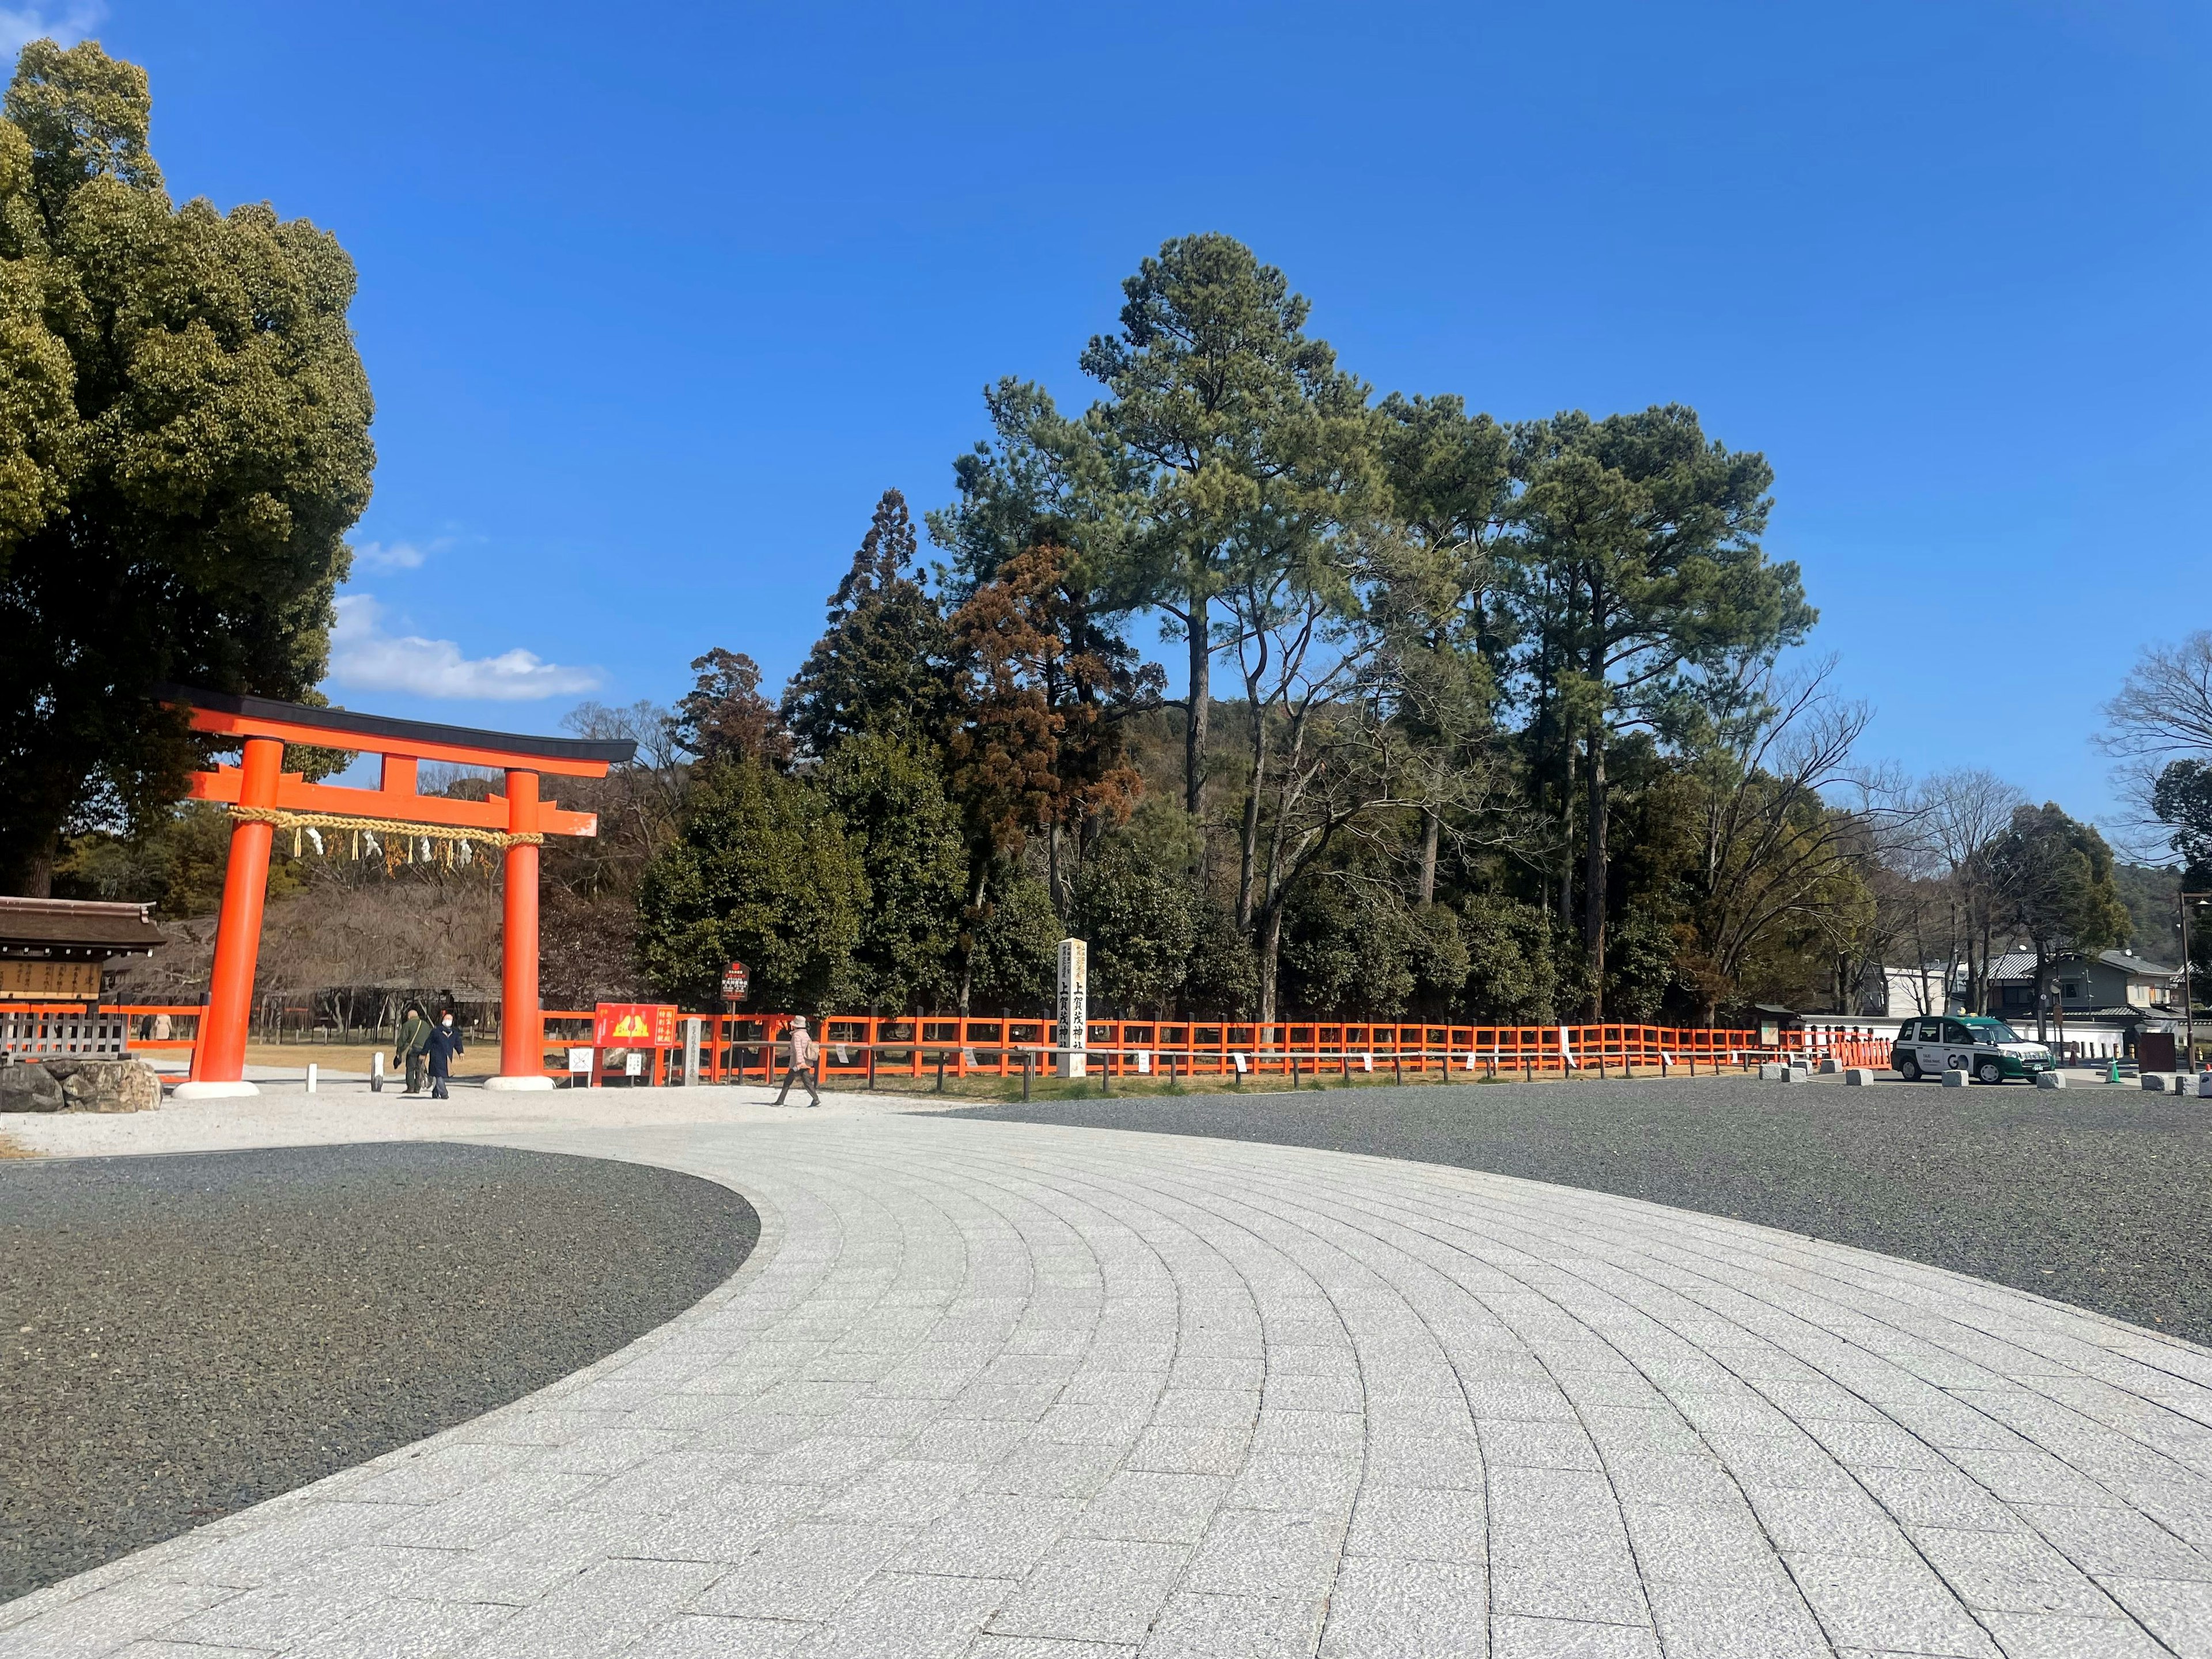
[521, 1021]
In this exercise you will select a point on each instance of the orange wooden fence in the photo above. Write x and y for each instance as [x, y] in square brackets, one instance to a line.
[736, 1047]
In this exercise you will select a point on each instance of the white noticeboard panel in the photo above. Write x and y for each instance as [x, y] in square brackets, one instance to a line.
[579, 1062]
[1075, 1005]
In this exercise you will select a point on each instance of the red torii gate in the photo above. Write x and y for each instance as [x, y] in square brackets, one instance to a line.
[263, 797]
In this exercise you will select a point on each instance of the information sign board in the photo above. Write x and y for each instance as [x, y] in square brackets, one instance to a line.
[633, 1025]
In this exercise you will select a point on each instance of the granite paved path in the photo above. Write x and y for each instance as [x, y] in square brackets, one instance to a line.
[1034, 1393]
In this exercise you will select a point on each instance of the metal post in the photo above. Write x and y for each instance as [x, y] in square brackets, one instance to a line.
[1029, 1059]
[2188, 991]
[872, 1068]
[940, 1071]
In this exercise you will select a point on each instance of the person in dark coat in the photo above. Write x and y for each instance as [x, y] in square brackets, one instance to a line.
[413, 1046]
[444, 1046]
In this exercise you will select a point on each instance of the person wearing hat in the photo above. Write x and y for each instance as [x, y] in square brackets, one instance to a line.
[804, 1051]
[413, 1046]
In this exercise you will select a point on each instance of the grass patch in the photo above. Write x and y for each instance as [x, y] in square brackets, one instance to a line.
[995, 1089]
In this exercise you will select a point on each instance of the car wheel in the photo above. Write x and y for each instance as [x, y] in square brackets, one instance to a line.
[1989, 1071]
[1909, 1069]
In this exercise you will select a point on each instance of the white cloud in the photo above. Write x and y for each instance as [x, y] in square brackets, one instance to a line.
[399, 555]
[20, 25]
[362, 654]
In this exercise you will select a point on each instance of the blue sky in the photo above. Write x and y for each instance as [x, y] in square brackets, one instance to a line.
[656, 302]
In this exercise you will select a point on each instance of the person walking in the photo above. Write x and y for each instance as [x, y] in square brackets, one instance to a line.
[413, 1046]
[443, 1045]
[804, 1051]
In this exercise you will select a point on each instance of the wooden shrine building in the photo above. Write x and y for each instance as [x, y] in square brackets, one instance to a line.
[55, 949]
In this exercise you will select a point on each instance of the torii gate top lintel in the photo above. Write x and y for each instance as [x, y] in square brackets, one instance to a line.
[262, 795]
[231, 714]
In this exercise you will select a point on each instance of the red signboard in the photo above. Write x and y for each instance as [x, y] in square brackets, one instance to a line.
[633, 1025]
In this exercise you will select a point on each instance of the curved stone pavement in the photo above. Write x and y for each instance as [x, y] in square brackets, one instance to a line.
[1034, 1393]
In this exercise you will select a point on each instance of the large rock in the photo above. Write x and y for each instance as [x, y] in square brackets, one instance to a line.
[79, 1085]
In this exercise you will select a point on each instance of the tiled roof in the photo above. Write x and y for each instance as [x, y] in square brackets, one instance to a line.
[2021, 964]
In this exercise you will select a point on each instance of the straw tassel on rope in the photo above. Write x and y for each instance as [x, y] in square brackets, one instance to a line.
[387, 828]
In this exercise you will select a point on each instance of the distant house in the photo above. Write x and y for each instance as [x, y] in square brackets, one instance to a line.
[1923, 990]
[2116, 984]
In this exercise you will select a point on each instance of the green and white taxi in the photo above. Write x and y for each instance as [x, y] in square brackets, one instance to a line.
[1988, 1050]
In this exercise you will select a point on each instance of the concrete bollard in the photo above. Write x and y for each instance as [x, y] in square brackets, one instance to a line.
[1856, 1077]
[2153, 1083]
[1771, 1072]
[1955, 1079]
[1830, 1065]
[312, 1075]
[2051, 1079]
[1800, 1072]
[2204, 1085]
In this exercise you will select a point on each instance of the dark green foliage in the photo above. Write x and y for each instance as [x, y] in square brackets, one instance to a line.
[1224, 979]
[1015, 952]
[1639, 968]
[2182, 797]
[1139, 912]
[178, 863]
[2151, 894]
[2055, 874]
[762, 873]
[184, 443]
[1346, 947]
[1440, 964]
[881, 666]
[1514, 963]
[888, 796]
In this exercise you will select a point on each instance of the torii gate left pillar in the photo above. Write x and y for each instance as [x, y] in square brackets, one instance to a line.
[263, 796]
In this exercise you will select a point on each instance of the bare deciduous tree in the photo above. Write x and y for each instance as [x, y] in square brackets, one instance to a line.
[1966, 812]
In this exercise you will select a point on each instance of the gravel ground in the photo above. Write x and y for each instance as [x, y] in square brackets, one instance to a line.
[184, 1336]
[2095, 1196]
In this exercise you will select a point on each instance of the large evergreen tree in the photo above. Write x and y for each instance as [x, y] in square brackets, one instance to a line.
[1230, 420]
[761, 872]
[889, 796]
[1643, 566]
[184, 443]
[881, 664]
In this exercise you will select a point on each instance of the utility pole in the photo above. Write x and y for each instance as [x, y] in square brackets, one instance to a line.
[2188, 994]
